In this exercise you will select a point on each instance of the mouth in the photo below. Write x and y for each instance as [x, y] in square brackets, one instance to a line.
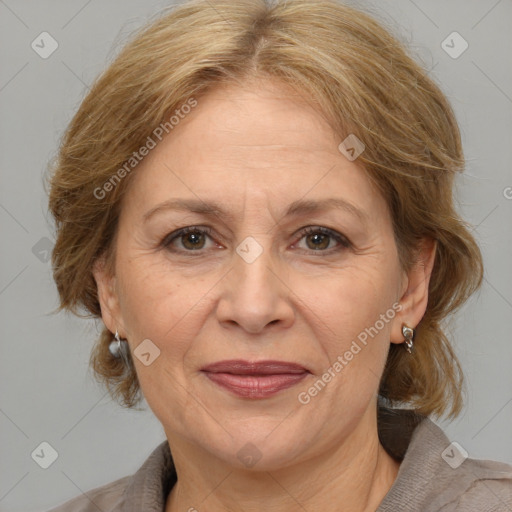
[255, 380]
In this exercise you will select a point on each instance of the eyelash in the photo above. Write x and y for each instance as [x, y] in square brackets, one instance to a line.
[343, 242]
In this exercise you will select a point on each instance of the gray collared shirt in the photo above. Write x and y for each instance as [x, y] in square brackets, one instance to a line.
[434, 476]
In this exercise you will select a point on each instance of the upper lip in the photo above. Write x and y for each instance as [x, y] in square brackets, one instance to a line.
[241, 367]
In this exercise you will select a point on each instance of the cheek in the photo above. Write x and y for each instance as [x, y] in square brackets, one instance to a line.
[162, 304]
[353, 316]
[353, 322]
[352, 299]
[151, 301]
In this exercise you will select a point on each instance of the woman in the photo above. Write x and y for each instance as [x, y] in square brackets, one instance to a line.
[257, 200]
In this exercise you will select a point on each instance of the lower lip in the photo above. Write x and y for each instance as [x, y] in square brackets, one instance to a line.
[256, 386]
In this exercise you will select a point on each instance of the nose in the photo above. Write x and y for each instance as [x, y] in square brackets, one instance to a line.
[255, 295]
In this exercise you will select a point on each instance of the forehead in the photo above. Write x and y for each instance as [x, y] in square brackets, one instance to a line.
[263, 119]
[259, 142]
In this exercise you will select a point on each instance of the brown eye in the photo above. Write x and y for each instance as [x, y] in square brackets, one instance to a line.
[193, 240]
[317, 241]
[320, 239]
[188, 239]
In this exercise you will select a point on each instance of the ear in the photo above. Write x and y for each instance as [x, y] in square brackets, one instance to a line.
[414, 290]
[108, 297]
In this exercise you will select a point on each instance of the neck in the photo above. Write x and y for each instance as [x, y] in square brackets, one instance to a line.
[353, 476]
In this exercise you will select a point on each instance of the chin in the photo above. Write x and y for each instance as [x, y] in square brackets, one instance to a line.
[258, 449]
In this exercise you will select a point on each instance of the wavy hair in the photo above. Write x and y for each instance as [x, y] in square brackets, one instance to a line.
[362, 80]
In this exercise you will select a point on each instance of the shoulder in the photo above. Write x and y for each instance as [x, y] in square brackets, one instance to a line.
[106, 498]
[145, 490]
[437, 475]
[453, 481]
[479, 485]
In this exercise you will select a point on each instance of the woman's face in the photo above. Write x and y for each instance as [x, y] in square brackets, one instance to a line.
[290, 257]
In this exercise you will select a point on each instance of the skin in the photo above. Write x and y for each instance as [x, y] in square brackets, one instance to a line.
[254, 150]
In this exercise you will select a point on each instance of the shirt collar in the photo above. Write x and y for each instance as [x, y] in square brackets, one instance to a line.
[149, 487]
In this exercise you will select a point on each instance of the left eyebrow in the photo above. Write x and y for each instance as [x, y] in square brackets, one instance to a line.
[310, 206]
[299, 207]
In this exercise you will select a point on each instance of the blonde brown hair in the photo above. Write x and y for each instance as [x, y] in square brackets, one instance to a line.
[361, 79]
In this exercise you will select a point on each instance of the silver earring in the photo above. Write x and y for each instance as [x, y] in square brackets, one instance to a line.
[408, 333]
[115, 345]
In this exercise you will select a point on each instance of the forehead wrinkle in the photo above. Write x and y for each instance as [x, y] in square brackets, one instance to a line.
[300, 207]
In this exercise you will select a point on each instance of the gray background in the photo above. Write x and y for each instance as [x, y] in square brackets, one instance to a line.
[46, 391]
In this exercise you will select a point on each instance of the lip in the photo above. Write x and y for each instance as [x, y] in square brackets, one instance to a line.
[241, 367]
[256, 380]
